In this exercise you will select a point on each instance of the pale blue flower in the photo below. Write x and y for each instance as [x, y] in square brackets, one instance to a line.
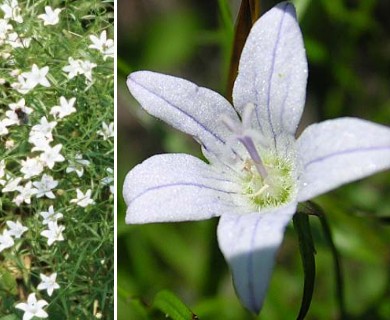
[257, 171]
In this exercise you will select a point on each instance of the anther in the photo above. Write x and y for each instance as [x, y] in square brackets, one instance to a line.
[250, 147]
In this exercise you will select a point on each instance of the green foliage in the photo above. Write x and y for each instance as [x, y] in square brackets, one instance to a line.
[84, 260]
[168, 303]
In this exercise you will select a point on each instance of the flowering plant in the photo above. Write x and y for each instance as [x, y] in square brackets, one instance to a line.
[56, 217]
[257, 170]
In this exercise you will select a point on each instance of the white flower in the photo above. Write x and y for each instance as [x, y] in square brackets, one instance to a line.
[36, 76]
[31, 167]
[107, 131]
[45, 186]
[257, 171]
[17, 112]
[52, 155]
[53, 233]
[4, 28]
[11, 184]
[77, 165]
[98, 43]
[48, 283]
[2, 168]
[22, 86]
[64, 109]
[33, 307]
[40, 141]
[16, 229]
[44, 128]
[11, 10]
[4, 123]
[25, 194]
[6, 241]
[16, 41]
[104, 45]
[109, 179]
[73, 69]
[50, 215]
[83, 200]
[86, 67]
[77, 67]
[51, 17]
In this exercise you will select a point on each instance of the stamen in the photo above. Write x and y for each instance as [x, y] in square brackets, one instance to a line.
[229, 123]
[247, 115]
[261, 190]
[250, 147]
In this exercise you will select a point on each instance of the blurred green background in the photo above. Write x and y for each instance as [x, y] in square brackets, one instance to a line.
[348, 48]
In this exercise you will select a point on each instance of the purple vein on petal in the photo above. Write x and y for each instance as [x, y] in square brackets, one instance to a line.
[272, 73]
[181, 111]
[345, 152]
[219, 179]
[217, 137]
[251, 271]
[178, 184]
[283, 107]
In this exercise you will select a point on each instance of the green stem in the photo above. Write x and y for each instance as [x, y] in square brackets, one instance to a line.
[314, 209]
[306, 248]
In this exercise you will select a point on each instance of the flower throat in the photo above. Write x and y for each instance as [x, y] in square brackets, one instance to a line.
[267, 182]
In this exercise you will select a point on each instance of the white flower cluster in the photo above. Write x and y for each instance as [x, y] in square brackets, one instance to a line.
[32, 172]
[8, 36]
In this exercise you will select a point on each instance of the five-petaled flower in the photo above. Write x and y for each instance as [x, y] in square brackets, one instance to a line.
[83, 199]
[48, 283]
[36, 76]
[50, 17]
[16, 229]
[64, 109]
[53, 233]
[257, 171]
[33, 307]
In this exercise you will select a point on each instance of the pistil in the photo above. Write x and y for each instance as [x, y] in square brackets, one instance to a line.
[242, 134]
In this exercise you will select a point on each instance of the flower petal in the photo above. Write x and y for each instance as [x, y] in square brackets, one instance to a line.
[249, 243]
[176, 187]
[185, 106]
[272, 75]
[338, 151]
[22, 306]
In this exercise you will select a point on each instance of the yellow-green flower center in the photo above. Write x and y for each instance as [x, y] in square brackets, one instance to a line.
[275, 189]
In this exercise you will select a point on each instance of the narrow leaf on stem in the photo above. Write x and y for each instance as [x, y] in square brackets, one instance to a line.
[314, 209]
[306, 248]
[168, 303]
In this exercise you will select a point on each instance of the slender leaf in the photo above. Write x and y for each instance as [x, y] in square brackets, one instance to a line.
[172, 306]
[226, 16]
[306, 247]
[316, 210]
